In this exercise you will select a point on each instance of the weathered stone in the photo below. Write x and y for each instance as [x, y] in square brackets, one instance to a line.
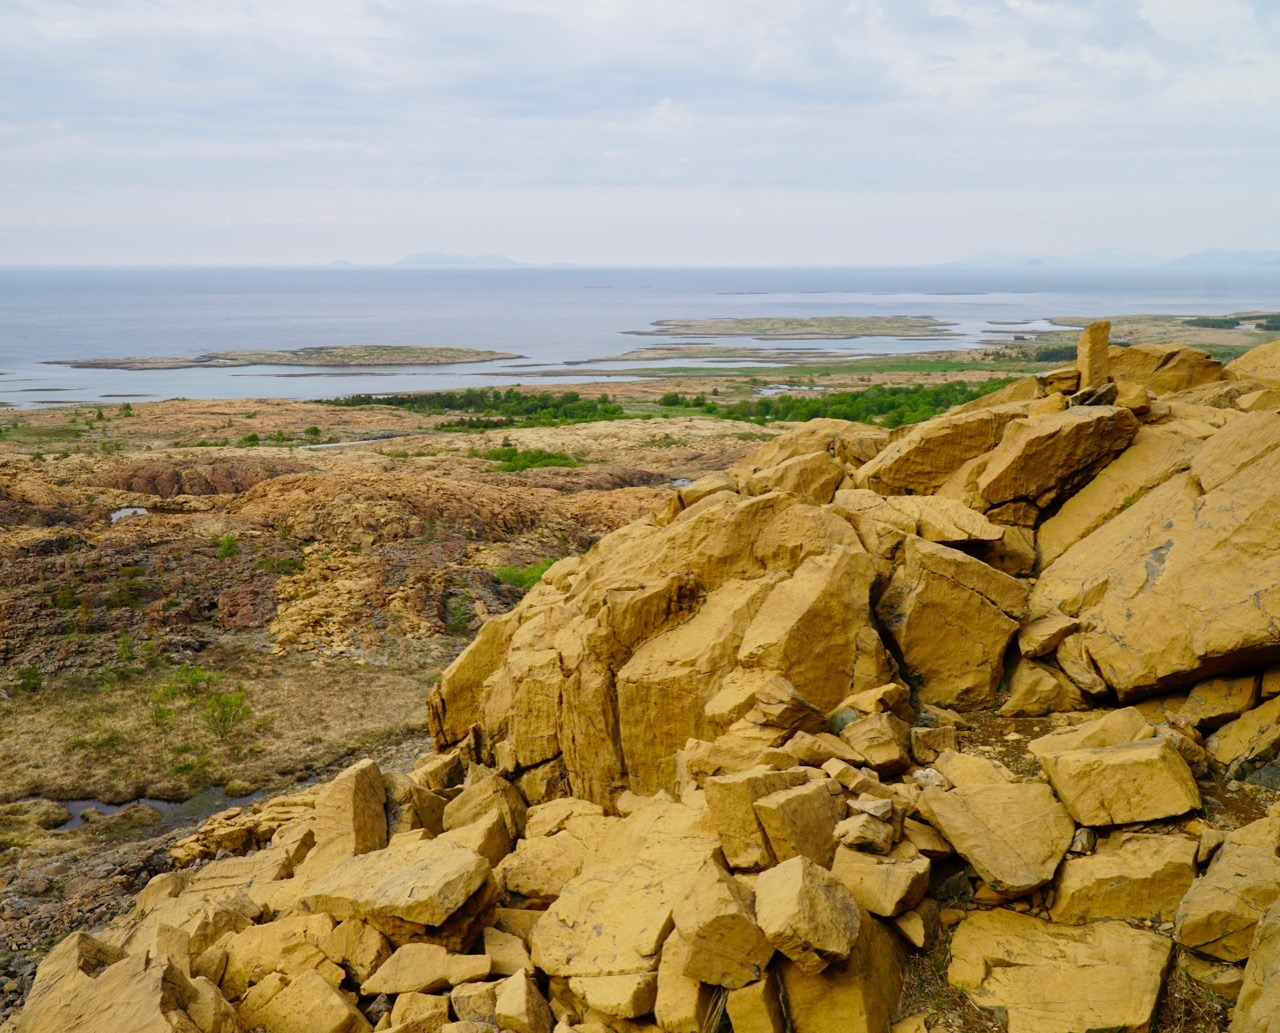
[622, 996]
[1112, 729]
[1216, 977]
[1036, 689]
[1013, 835]
[507, 953]
[807, 914]
[1153, 620]
[84, 984]
[802, 821]
[423, 881]
[430, 1011]
[539, 868]
[520, 1008]
[489, 836]
[884, 885]
[1043, 459]
[1051, 978]
[861, 831]
[1258, 1006]
[359, 949]
[1131, 875]
[425, 968]
[349, 819]
[816, 750]
[1219, 914]
[310, 1005]
[968, 769]
[1261, 364]
[290, 946]
[757, 1007]
[920, 461]
[921, 925]
[490, 793]
[1156, 454]
[1251, 737]
[883, 740]
[1042, 635]
[952, 617]
[946, 521]
[1115, 785]
[1091, 355]
[1217, 701]
[816, 476]
[475, 1002]
[857, 995]
[1164, 368]
[927, 744]
[731, 807]
[723, 944]
[683, 1004]
[546, 819]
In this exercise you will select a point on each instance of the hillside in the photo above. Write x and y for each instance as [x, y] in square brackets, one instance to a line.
[968, 724]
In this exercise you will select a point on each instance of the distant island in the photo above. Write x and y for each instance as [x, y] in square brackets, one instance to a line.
[819, 328]
[1121, 258]
[440, 260]
[334, 355]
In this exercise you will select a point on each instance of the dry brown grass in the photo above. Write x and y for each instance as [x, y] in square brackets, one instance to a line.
[1187, 1008]
[146, 737]
[925, 990]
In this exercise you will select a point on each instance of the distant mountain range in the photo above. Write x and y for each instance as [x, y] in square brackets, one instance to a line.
[1120, 258]
[440, 260]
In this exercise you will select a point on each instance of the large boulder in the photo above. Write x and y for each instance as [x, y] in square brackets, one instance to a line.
[1218, 916]
[1043, 459]
[1258, 1006]
[609, 663]
[1261, 364]
[1049, 978]
[1014, 835]
[1130, 782]
[1185, 583]
[1164, 368]
[952, 617]
[1131, 875]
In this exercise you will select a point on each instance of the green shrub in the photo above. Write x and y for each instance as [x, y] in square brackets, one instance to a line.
[250, 440]
[65, 598]
[523, 577]
[280, 565]
[513, 459]
[124, 648]
[1214, 323]
[28, 679]
[227, 547]
[224, 712]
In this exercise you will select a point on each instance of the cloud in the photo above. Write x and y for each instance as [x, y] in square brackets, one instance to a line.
[352, 97]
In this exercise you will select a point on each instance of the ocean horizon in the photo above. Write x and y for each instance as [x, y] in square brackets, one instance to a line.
[556, 319]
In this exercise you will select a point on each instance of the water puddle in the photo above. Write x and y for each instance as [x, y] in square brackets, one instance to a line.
[172, 815]
[128, 511]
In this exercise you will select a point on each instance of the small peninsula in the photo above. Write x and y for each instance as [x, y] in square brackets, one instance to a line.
[817, 328]
[333, 355]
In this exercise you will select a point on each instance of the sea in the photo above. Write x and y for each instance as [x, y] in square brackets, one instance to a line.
[556, 319]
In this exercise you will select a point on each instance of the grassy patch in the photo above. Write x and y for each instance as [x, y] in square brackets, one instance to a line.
[512, 459]
[523, 577]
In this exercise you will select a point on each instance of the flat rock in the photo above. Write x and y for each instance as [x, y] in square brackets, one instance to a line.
[1052, 979]
[1131, 782]
[807, 914]
[1013, 835]
[1130, 875]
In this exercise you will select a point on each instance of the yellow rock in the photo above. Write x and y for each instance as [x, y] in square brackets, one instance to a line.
[1220, 913]
[520, 1008]
[857, 995]
[1112, 729]
[883, 740]
[1250, 737]
[802, 821]
[1213, 703]
[1258, 1006]
[919, 462]
[546, 819]
[475, 1002]
[1040, 460]
[1036, 689]
[310, 1005]
[1013, 835]
[357, 947]
[422, 881]
[621, 996]
[425, 968]
[757, 1007]
[683, 1004]
[721, 942]
[1092, 358]
[1165, 368]
[288, 945]
[489, 793]
[1131, 875]
[816, 476]
[952, 617]
[432, 1011]
[1115, 785]
[968, 769]
[489, 836]
[349, 818]
[885, 885]
[731, 808]
[1051, 978]
[807, 914]
[539, 868]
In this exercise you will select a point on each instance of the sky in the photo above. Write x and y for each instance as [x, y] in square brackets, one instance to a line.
[770, 132]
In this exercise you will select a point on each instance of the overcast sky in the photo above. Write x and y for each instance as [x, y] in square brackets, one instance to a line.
[634, 131]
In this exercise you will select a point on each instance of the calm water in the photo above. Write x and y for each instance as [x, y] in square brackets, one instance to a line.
[550, 316]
